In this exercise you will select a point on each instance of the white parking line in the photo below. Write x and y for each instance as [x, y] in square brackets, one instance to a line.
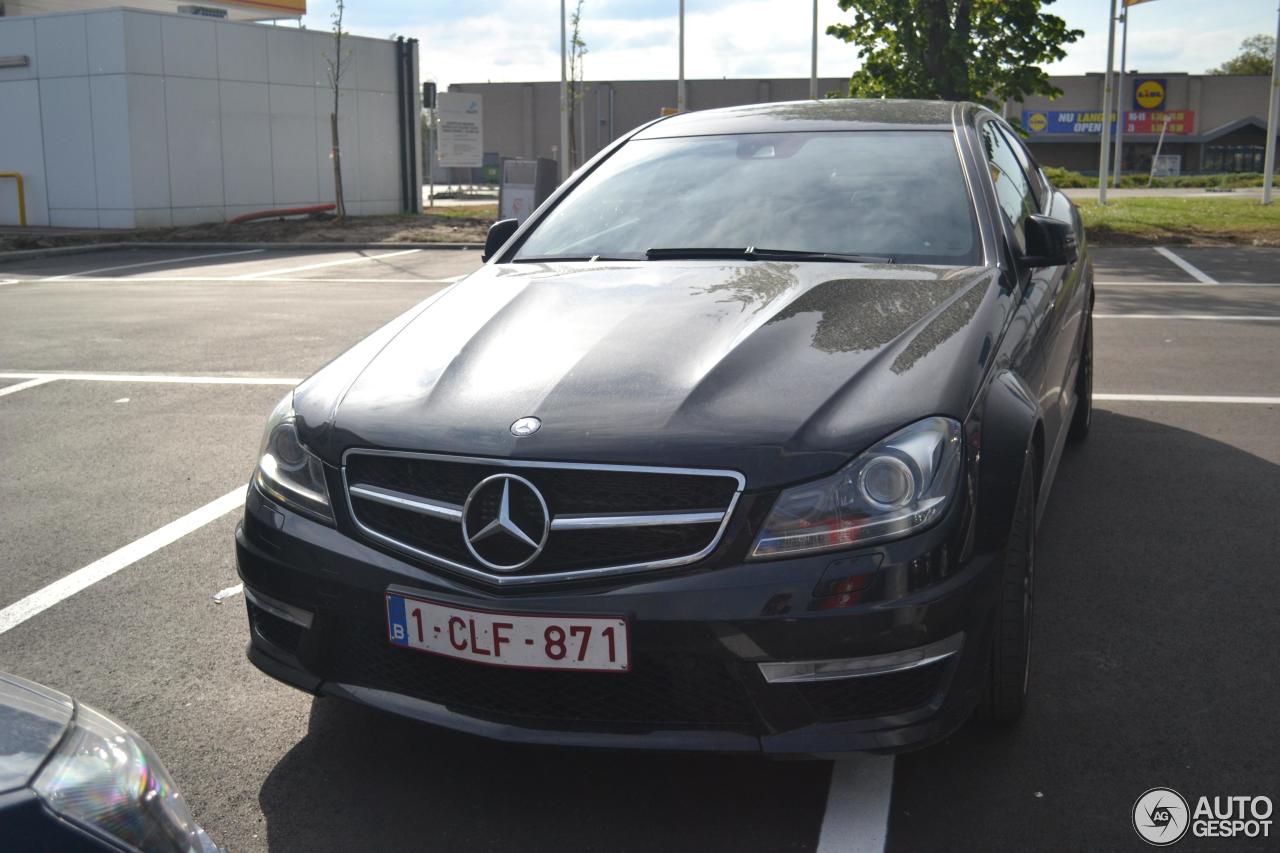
[1188, 398]
[155, 263]
[223, 594]
[1218, 284]
[133, 279]
[1184, 266]
[338, 263]
[1260, 318]
[857, 815]
[62, 589]
[151, 377]
[22, 386]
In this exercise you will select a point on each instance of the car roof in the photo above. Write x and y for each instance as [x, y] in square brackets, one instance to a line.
[830, 114]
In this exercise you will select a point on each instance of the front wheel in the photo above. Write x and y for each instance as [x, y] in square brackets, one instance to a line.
[1005, 697]
[1083, 416]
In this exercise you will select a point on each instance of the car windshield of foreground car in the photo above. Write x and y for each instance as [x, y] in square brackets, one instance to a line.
[874, 196]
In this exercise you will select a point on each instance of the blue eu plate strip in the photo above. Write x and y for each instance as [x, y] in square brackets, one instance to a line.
[396, 618]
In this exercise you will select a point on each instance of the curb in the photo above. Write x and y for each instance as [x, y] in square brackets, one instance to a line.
[84, 248]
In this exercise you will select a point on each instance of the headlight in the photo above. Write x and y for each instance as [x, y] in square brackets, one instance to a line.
[108, 778]
[289, 472]
[899, 486]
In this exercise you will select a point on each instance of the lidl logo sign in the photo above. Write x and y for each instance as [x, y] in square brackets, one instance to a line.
[1148, 94]
[1089, 123]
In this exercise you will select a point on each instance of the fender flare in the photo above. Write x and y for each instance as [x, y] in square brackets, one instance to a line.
[1009, 424]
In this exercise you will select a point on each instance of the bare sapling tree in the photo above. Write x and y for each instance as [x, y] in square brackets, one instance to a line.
[336, 65]
[577, 50]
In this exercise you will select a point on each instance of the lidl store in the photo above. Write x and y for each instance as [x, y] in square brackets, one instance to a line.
[1211, 123]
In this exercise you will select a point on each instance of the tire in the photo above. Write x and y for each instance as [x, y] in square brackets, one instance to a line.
[1083, 417]
[1005, 696]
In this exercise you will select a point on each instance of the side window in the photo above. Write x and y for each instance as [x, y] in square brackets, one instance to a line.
[1039, 183]
[1013, 190]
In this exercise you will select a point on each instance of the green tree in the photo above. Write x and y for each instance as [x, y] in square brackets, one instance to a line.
[987, 51]
[1256, 55]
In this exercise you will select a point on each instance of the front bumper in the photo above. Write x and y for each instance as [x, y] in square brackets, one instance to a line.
[699, 637]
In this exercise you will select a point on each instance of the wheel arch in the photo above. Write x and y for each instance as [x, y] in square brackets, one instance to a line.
[1010, 434]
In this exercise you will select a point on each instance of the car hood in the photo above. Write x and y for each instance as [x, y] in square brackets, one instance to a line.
[778, 370]
[33, 720]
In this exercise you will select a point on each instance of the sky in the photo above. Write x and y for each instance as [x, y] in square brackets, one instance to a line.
[475, 41]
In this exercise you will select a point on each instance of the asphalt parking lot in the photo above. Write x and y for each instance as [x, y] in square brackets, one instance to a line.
[133, 389]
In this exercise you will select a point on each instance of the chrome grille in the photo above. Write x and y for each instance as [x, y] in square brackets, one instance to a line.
[603, 519]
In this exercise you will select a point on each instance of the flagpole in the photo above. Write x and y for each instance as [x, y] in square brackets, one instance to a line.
[1273, 120]
[813, 60]
[1123, 103]
[1104, 164]
[680, 100]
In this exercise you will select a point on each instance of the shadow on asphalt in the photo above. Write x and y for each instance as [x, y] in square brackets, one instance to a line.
[1188, 300]
[1245, 264]
[364, 780]
[1156, 643]
[1135, 264]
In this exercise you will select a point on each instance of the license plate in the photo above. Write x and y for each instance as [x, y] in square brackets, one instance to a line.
[525, 640]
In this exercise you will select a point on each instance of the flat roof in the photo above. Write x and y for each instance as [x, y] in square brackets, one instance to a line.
[237, 10]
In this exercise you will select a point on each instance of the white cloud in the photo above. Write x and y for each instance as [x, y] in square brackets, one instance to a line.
[753, 38]
[1160, 49]
[504, 40]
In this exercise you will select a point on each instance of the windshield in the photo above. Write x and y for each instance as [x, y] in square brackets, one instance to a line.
[897, 195]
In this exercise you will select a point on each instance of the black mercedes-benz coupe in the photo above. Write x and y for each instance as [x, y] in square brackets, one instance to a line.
[739, 443]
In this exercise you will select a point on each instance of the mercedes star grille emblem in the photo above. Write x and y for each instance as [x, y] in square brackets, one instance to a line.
[505, 522]
[525, 426]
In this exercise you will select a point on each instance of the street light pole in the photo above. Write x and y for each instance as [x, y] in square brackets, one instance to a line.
[680, 101]
[564, 100]
[1123, 104]
[1273, 120]
[1104, 164]
[813, 61]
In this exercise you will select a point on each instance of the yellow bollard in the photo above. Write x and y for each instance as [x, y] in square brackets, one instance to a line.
[22, 196]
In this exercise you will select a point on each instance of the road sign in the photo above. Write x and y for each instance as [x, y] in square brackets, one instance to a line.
[1166, 166]
[460, 129]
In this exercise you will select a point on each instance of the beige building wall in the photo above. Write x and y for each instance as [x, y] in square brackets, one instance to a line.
[523, 119]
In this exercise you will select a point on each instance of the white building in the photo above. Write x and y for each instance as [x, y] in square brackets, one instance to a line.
[117, 118]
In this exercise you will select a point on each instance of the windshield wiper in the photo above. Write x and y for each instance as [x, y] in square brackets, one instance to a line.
[753, 253]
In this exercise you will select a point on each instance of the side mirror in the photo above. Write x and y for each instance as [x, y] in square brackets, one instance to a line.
[499, 233]
[1050, 242]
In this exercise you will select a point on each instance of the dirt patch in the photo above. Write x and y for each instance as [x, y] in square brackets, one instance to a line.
[1100, 236]
[444, 225]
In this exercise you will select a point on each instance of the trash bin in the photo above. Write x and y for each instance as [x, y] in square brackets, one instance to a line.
[525, 185]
